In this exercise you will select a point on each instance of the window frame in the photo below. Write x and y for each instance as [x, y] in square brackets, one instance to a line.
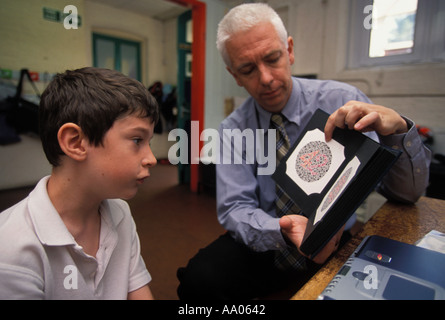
[118, 42]
[429, 37]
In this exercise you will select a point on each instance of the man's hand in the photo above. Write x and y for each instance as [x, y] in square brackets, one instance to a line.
[365, 117]
[293, 228]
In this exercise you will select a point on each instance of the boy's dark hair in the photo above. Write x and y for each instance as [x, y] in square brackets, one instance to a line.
[94, 99]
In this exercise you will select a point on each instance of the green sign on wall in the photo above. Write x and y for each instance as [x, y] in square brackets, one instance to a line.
[59, 16]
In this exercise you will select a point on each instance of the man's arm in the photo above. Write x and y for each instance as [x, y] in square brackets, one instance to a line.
[241, 197]
[408, 178]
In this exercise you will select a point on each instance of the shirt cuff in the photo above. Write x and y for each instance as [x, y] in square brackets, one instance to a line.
[271, 237]
[407, 142]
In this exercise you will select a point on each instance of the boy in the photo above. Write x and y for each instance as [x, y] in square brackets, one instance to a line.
[66, 240]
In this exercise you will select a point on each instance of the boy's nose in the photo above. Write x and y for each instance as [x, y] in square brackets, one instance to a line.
[150, 159]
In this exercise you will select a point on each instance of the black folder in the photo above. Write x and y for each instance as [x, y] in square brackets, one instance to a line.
[330, 180]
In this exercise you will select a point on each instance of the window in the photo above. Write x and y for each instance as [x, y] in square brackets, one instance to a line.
[393, 32]
[118, 54]
[392, 28]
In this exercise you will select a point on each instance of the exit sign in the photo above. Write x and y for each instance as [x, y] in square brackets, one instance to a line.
[52, 15]
[57, 15]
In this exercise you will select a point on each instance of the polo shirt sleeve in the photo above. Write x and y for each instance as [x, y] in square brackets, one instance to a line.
[18, 283]
[139, 275]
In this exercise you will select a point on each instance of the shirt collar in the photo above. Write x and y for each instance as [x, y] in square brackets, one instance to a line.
[48, 224]
[291, 110]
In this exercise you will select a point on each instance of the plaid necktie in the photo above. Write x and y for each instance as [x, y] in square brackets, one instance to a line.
[287, 257]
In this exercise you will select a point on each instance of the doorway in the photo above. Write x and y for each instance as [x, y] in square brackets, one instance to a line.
[185, 40]
[197, 81]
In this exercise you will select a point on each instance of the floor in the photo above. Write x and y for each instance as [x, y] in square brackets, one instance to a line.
[173, 224]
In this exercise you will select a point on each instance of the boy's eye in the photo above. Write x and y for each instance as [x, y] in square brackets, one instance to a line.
[137, 141]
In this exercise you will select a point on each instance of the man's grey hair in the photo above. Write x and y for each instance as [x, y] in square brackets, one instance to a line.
[244, 17]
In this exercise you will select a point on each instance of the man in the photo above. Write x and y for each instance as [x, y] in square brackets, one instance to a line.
[248, 261]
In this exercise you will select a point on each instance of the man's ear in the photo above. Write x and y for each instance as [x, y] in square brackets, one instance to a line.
[290, 50]
[72, 141]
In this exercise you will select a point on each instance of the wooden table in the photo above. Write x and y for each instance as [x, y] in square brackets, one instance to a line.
[405, 223]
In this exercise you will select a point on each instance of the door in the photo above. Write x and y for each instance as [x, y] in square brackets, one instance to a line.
[185, 39]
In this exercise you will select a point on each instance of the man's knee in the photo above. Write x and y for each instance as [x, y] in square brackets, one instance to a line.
[213, 272]
[199, 280]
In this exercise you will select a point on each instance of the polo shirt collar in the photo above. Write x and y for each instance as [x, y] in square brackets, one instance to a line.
[47, 222]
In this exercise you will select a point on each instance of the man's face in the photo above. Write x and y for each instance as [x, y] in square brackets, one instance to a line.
[261, 64]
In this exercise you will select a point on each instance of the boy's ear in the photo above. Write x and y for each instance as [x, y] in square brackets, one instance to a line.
[72, 141]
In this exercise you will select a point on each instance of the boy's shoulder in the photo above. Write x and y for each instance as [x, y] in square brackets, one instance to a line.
[15, 221]
[19, 243]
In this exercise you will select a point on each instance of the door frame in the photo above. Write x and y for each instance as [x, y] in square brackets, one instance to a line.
[198, 81]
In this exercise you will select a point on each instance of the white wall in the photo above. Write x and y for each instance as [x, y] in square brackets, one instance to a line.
[120, 23]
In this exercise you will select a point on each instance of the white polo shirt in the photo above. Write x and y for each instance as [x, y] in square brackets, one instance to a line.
[39, 258]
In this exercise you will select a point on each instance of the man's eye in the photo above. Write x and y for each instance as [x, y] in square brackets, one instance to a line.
[274, 59]
[247, 70]
[137, 141]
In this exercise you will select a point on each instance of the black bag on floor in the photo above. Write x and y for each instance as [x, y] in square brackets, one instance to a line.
[18, 115]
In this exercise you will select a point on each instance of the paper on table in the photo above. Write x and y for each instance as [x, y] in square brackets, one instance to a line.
[433, 240]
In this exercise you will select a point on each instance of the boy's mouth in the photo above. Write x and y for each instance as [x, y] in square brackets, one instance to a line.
[141, 180]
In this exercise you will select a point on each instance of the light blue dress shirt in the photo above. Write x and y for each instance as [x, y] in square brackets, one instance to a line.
[246, 199]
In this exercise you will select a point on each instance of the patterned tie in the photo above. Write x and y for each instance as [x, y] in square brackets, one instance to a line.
[284, 204]
[287, 257]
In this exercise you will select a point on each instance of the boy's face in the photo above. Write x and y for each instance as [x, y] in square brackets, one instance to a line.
[122, 164]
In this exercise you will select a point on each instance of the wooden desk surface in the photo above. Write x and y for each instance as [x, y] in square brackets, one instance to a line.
[405, 223]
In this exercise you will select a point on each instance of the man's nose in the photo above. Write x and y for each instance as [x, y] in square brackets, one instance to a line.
[266, 76]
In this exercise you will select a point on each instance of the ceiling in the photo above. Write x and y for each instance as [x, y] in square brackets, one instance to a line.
[156, 9]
